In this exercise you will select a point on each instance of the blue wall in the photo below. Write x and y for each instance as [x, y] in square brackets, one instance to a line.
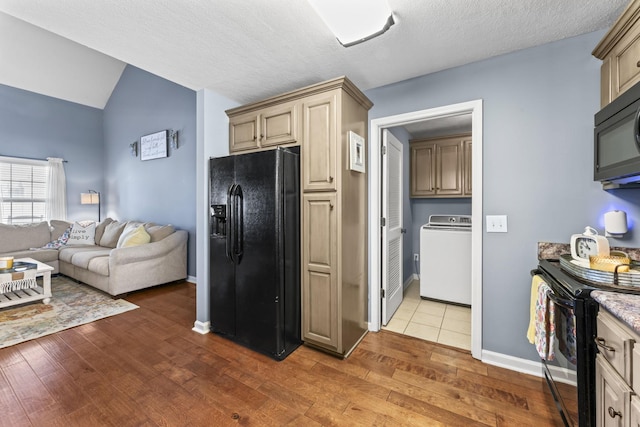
[161, 190]
[538, 108]
[38, 126]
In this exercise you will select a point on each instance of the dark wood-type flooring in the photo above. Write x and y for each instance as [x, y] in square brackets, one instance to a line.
[147, 367]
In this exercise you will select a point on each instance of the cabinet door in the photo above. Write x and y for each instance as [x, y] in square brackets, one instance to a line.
[243, 132]
[467, 169]
[449, 168]
[319, 282]
[279, 125]
[319, 142]
[613, 396]
[423, 169]
[625, 62]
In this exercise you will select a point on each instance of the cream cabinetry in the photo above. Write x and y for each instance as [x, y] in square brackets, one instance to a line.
[441, 167]
[616, 362]
[268, 127]
[334, 201]
[619, 51]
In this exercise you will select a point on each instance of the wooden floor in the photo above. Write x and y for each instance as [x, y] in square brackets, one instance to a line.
[147, 367]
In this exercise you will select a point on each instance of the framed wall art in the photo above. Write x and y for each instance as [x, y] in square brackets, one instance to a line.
[356, 152]
[153, 146]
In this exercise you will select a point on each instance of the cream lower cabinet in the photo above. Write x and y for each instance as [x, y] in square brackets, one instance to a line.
[617, 381]
[319, 259]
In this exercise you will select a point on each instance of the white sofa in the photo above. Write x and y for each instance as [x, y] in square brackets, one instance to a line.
[103, 265]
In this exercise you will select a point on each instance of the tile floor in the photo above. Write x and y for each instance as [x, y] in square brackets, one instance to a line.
[432, 321]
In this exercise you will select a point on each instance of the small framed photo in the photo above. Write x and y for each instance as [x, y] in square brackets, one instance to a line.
[153, 146]
[356, 152]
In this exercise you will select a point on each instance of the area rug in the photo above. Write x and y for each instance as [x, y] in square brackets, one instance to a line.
[72, 304]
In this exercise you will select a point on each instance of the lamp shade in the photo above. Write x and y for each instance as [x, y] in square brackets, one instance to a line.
[89, 198]
[354, 21]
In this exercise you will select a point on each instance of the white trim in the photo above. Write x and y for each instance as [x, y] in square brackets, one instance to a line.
[526, 366]
[201, 327]
[192, 279]
[475, 108]
[409, 281]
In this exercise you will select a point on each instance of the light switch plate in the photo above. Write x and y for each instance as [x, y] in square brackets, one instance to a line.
[496, 223]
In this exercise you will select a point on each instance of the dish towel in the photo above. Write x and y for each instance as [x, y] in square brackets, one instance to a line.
[543, 318]
[566, 334]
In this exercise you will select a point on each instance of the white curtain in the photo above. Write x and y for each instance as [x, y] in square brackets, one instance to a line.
[56, 206]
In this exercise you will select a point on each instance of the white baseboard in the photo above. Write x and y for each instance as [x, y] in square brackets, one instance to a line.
[192, 279]
[201, 327]
[410, 280]
[526, 366]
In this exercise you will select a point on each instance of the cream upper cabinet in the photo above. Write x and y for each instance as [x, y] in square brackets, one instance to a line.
[319, 123]
[243, 132]
[265, 128]
[279, 125]
[439, 167]
[619, 51]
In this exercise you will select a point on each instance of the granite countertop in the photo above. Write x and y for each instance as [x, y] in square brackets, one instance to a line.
[625, 307]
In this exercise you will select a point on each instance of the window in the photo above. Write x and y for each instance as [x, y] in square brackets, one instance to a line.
[23, 190]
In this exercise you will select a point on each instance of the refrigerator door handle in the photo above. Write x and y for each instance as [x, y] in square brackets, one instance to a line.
[230, 221]
[238, 199]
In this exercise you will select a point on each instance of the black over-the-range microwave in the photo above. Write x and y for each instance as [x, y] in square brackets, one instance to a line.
[617, 141]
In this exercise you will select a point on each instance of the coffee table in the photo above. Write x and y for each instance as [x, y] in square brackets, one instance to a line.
[34, 294]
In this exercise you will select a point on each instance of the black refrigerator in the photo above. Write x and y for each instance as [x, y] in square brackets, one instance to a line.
[255, 250]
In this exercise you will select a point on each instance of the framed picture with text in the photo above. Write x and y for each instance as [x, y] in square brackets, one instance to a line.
[153, 146]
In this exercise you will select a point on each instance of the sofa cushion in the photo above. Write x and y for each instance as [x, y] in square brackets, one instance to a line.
[58, 228]
[133, 235]
[99, 265]
[82, 234]
[100, 229]
[18, 237]
[67, 253]
[111, 234]
[82, 259]
[159, 232]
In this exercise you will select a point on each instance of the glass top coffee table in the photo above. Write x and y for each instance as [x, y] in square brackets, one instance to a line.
[38, 293]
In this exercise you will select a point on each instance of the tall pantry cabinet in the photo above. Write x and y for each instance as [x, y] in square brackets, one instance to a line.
[334, 249]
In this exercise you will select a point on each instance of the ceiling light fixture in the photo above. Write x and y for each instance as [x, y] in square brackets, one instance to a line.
[354, 21]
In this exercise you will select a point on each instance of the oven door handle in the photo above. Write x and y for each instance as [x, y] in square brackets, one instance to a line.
[568, 304]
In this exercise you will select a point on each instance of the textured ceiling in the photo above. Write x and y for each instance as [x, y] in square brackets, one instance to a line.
[247, 50]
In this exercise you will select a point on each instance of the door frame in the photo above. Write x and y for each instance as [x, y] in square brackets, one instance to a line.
[475, 108]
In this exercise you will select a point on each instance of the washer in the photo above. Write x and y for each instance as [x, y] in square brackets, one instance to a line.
[445, 259]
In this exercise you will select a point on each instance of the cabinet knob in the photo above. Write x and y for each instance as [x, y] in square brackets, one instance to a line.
[613, 413]
[261, 136]
[331, 206]
[638, 64]
[330, 178]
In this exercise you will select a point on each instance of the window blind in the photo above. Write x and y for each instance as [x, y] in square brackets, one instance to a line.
[23, 187]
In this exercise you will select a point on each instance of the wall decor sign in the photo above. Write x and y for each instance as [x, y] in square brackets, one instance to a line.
[356, 152]
[153, 146]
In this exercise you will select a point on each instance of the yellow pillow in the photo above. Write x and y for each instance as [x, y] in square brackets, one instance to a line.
[138, 237]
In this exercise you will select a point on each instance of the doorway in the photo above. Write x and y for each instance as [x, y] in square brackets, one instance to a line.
[377, 125]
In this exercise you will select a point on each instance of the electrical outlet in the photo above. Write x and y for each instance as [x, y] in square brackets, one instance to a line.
[416, 257]
[496, 223]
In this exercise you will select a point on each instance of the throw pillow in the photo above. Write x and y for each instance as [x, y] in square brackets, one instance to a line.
[100, 229]
[111, 234]
[133, 237]
[60, 241]
[58, 227]
[82, 234]
[159, 232]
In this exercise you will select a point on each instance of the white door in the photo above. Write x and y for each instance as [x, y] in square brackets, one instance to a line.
[392, 231]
